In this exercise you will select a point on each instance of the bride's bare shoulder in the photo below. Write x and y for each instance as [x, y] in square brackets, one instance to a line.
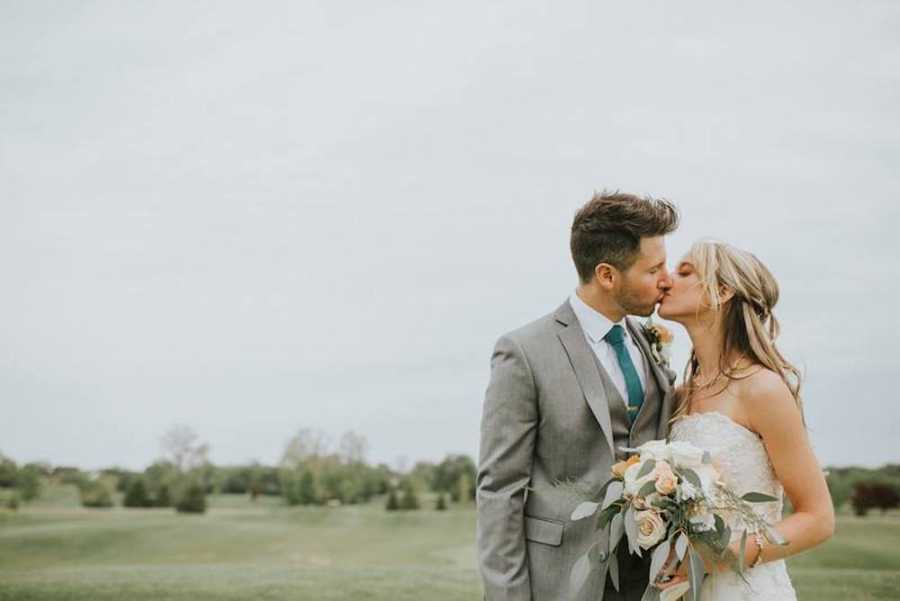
[764, 395]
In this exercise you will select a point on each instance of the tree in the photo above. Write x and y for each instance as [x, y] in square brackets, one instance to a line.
[464, 488]
[441, 503]
[306, 447]
[353, 447]
[392, 503]
[450, 471]
[8, 472]
[158, 476]
[163, 498]
[96, 492]
[193, 472]
[28, 482]
[193, 500]
[136, 495]
[307, 489]
[180, 444]
[410, 499]
[874, 495]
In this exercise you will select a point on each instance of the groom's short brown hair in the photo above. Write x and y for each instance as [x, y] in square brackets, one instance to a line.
[609, 228]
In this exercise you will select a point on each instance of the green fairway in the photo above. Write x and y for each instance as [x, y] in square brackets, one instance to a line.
[263, 550]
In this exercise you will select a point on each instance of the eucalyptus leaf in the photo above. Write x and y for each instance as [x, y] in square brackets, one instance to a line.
[658, 559]
[614, 570]
[695, 574]
[758, 497]
[742, 552]
[646, 468]
[604, 517]
[631, 531]
[651, 593]
[647, 489]
[664, 503]
[616, 531]
[720, 523]
[692, 477]
[584, 510]
[725, 539]
[613, 493]
[681, 545]
[579, 573]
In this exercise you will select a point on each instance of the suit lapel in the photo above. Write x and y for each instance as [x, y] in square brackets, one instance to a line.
[662, 379]
[582, 360]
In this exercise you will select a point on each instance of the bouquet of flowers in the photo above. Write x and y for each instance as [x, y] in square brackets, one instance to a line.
[667, 499]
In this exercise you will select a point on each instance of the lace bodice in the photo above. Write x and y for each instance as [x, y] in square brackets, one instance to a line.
[743, 464]
[738, 454]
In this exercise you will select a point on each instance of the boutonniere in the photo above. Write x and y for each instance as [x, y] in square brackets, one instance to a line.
[660, 339]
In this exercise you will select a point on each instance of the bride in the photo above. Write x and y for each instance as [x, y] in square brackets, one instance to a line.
[741, 402]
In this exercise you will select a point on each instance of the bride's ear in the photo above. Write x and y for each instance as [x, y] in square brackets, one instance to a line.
[725, 294]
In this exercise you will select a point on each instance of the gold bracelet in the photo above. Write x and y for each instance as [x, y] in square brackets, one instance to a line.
[759, 549]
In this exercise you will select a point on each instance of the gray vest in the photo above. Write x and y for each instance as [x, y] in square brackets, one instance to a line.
[645, 425]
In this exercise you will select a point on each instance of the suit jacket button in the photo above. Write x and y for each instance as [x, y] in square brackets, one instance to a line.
[602, 556]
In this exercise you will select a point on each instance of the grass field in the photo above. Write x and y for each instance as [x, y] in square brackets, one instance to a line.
[54, 549]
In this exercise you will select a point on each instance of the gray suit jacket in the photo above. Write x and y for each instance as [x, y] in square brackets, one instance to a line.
[546, 419]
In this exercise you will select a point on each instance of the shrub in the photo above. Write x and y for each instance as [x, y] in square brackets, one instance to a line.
[28, 482]
[163, 498]
[136, 495]
[410, 500]
[95, 493]
[441, 503]
[874, 495]
[193, 500]
[392, 503]
[8, 472]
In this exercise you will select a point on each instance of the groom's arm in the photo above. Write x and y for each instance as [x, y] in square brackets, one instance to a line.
[508, 430]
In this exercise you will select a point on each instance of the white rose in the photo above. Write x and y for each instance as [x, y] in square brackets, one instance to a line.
[708, 477]
[650, 527]
[654, 449]
[702, 518]
[684, 454]
[686, 491]
[632, 483]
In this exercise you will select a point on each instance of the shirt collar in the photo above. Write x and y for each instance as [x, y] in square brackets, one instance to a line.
[595, 324]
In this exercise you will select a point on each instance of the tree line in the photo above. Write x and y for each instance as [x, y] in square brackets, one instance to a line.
[311, 471]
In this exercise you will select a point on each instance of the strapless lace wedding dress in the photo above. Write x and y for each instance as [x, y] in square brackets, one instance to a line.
[743, 463]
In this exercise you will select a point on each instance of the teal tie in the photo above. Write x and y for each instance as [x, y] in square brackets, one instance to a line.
[616, 337]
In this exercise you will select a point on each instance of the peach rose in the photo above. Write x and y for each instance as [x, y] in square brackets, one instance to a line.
[651, 528]
[618, 470]
[666, 480]
[665, 336]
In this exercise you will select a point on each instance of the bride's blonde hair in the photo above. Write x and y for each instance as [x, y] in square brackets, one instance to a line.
[749, 327]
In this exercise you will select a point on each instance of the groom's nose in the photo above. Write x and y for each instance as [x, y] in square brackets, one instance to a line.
[665, 280]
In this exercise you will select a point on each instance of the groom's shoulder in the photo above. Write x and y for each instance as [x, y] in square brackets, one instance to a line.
[536, 329]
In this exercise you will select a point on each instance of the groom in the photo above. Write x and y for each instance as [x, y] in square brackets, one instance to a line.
[566, 392]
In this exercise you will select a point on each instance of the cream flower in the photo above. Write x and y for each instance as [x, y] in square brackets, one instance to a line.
[654, 449]
[650, 528]
[632, 483]
[666, 480]
[684, 454]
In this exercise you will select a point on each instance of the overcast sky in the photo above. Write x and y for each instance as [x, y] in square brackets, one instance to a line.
[257, 217]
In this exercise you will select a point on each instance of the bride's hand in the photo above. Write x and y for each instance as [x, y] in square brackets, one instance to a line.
[673, 572]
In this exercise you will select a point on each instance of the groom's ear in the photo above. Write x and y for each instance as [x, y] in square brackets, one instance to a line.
[604, 273]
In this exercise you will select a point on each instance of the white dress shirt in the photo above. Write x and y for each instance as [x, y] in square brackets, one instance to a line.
[595, 326]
